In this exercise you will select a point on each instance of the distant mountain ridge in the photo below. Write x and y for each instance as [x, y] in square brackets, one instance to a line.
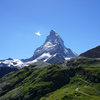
[92, 53]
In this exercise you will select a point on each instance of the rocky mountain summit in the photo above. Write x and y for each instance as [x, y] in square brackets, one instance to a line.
[53, 50]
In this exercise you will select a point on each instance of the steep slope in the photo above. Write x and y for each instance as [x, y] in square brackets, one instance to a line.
[93, 53]
[85, 85]
[81, 82]
[29, 83]
[53, 50]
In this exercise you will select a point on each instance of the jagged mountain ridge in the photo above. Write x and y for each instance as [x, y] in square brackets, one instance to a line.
[53, 50]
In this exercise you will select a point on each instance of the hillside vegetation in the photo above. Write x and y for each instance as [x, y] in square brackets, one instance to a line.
[79, 81]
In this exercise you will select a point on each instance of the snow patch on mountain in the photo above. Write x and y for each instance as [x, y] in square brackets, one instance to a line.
[67, 58]
[12, 63]
[49, 45]
[29, 63]
[44, 55]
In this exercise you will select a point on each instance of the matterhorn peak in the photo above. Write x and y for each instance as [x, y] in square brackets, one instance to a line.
[53, 33]
[54, 38]
[53, 50]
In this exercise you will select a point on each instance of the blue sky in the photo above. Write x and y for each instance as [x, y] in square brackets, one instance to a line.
[76, 21]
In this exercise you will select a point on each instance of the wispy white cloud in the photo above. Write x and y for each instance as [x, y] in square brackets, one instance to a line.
[38, 33]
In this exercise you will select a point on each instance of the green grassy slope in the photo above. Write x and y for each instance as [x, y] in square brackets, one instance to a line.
[77, 89]
[80, 81]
